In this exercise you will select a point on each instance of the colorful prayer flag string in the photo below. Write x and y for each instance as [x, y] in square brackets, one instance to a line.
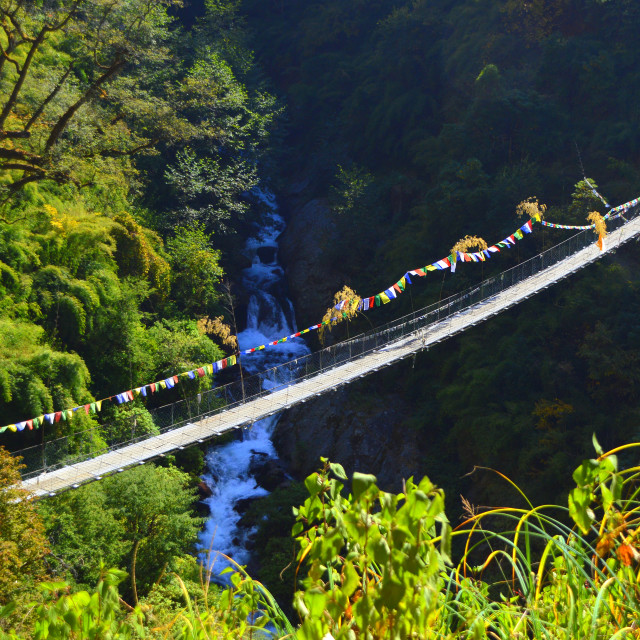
[365, 304]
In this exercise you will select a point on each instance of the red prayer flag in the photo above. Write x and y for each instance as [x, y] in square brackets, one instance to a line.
[30, 425]
[58, 416]
[86, 408]
[200, 372]
[130, 394]
[397, 288]
[175, 379]
[153, 387]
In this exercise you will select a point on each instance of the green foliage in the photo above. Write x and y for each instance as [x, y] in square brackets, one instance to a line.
[139, 520]
[23, 545]
[197, 269]
[374, 557]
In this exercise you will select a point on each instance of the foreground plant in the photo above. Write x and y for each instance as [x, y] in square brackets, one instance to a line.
[379, 563]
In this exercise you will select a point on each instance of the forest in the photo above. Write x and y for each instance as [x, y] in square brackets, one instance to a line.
[132, 136]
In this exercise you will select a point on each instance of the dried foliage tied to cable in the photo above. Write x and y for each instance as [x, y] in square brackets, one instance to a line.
[219, 329]
[601, 226]
[467, 243]
[531, 208]
[334, 316]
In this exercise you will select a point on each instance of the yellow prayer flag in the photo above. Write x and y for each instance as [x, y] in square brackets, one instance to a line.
[431, 267]
[12, 427]
[384, 297]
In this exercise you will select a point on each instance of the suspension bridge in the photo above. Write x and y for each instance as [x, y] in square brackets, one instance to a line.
[51, 468]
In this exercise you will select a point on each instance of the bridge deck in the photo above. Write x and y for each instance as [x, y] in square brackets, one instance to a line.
[300, 391]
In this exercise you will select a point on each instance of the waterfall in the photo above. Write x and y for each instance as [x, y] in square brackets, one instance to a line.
[270, 315]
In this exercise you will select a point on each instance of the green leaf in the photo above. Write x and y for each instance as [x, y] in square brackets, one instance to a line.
[579, 501]
[313, 483]
[351, 579]
[586, 473]
[445, 539]
[338, 470]
[361, 482]
[391, 593]
[596, 445]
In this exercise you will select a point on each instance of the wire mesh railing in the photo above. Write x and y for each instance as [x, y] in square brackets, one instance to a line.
[85, 445]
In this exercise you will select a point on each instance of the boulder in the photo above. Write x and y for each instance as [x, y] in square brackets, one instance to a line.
[269, 473]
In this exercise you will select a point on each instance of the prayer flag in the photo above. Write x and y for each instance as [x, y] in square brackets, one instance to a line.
[527, 228]
[209, 369]
[431, 267]
[231, 360]
[99, 405]
[510, 239]
[443, 264]
[378, 301]
[390, 294]
[494, 249]
[518, 234]
[130, 394]
[21, 425]
[192, 375]
[384, 298]
[397, 287]
[162, 384]
[143, 391]
[57, 416]
[50, 417]
[406, 278]
[12, 427]
[223, 362]
[365, 304]
[201, 372]
[372, 302]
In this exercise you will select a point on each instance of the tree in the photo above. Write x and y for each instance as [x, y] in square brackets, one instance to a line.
[56, 123]
[23, 545]
[196, 269]
[139, 520]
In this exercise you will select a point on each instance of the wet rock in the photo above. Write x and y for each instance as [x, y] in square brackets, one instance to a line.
[269, 473]
[242, 505]
[204, 490]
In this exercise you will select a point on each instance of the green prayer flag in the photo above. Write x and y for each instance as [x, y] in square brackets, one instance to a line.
[377, 301]
[3, 429]
[93, 407]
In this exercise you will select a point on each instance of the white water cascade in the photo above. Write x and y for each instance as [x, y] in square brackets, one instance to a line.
[270, 315]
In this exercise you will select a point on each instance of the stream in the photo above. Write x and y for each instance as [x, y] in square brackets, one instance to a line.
[270, 315]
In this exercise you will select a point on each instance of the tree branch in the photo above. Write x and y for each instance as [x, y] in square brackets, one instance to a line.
[60, 126]
[116, 153]
[48, 99]
[21, 78]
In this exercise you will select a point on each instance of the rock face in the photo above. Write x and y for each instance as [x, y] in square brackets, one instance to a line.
[358, 430]
[303, 248]
[269, 473]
